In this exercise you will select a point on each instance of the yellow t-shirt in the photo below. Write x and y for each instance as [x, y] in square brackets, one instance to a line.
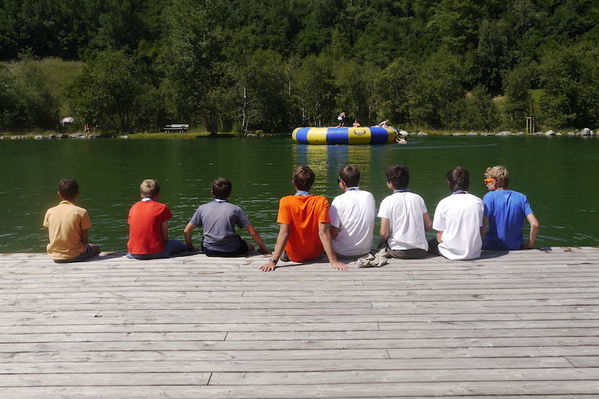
[65, 222]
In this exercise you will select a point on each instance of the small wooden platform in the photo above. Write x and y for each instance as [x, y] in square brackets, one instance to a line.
[517, 325]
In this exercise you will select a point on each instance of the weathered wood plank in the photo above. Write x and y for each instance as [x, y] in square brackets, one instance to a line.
[439, 389]
[387, 376]
[521, 324]
[285, 365]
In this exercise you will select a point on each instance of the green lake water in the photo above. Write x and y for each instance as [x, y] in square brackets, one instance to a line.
[558, 174]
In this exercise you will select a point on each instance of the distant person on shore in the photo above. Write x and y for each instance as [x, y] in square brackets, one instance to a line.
[458, 220]
[352, 216]
[505, 211]
[148, 226]
[303, 225]
[404, 218]
[341, 119]
[68, 227]
[218, 219]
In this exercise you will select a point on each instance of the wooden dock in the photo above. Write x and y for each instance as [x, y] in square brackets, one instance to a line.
[517, 325]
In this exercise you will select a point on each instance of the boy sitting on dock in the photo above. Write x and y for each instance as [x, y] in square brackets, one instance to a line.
[404, 218]
[505, 211]
[218, 219]
[303, 225]
[352, 216]
[458, 220]
[68, 227]
[148, 226]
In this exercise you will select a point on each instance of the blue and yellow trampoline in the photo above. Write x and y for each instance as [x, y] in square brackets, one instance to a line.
[344, 135]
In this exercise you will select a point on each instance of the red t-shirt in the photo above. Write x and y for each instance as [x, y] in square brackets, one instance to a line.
[303, 214]
[145, 227]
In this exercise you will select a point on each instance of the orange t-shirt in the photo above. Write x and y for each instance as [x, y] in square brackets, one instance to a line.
[303, 214]
[145, 227]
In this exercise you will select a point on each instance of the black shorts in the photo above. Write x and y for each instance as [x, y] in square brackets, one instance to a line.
[241, 251]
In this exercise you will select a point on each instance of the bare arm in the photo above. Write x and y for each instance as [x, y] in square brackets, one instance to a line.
[257, 238]
[384, 232]
[164, 229]
[279, 247]
[485, 227]
[325, 238]
[534, 230]
[428, 223]
[187, 234]
[85, 236]
[439, 237]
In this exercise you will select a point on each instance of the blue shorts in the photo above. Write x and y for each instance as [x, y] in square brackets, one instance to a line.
[171, 247]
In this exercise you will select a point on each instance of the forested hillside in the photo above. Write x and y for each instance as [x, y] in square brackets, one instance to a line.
[234, 65]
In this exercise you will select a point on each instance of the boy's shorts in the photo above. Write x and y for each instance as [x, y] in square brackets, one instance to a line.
[171, 247]
[243, 249]
[83, 256]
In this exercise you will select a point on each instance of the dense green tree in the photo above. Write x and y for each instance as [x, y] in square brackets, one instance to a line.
[355, 86]
[38, 104]
[391, 100]
[108, 93]
[570, 80]
[260, 95]
[518, 101]
[193, 60]
[478, 111]
[9, 99]
[436, 90]
[409, 61]
[492, 57]
[314, 91]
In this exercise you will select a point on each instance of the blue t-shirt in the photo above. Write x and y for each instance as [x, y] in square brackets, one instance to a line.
[506, 210]
[219, 219]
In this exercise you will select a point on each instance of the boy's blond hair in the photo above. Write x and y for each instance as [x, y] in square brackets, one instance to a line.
[149, 188]
[500, 174]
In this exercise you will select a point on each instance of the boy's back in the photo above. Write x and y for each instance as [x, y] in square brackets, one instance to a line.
[303, 214]
[506, 210]
[218, 219]
[353, 213]
[460, 217]
[405, 211]
[145, 226]
[65, 223]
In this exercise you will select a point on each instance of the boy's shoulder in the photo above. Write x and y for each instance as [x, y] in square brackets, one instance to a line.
[151, 203]
[66, 207]
[304, 198]
[218, 204]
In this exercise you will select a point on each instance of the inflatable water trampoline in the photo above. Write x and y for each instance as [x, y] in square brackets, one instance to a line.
[344, 135]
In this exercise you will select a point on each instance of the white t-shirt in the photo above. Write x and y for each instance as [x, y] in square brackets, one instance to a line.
[353, 213]
[405, 212]
[459, 217]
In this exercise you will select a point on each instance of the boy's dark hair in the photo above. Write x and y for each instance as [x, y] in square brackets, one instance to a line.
[350, 175]
[303, 178]
[221, 188]
[398, 176]
[149, 188]
[458, 179]
[68, 189]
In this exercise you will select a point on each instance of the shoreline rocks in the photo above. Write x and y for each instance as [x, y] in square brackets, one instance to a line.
[586, 132]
